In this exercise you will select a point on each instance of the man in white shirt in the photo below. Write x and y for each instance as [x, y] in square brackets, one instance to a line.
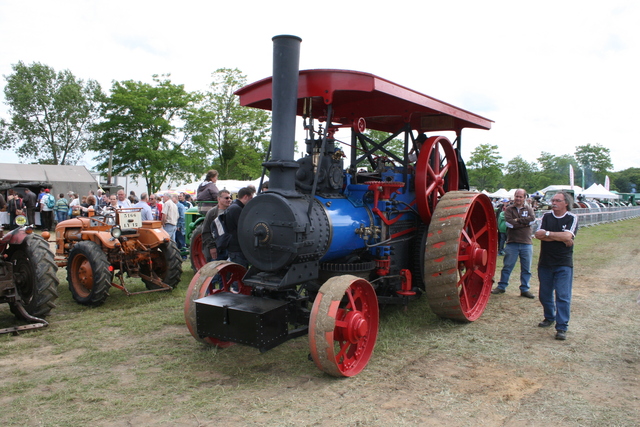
[123, 202]
[169, 215]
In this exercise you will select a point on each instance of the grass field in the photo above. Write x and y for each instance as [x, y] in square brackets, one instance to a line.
[133, 362]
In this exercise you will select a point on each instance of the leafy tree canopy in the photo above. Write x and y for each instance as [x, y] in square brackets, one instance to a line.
[595, 157]
[484, 167]
[626, 181]
[236, 137]
[51, 114]
[595, 161]
[151, 131]
[521, 174]
[555, 170]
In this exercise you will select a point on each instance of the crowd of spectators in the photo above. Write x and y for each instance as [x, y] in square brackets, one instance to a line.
[54, 209]
[169, 208]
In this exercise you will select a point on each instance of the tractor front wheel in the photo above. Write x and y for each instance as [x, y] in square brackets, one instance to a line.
[34, 275]
[343, 326]
[88, 274]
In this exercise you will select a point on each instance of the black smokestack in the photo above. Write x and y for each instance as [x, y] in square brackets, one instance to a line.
[286, 63]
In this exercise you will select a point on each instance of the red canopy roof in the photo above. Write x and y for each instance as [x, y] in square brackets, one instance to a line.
[385, 105]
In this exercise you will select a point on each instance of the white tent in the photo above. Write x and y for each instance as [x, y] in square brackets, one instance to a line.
[575, 188]
[597, 191]
[500, 194]
[230, 184]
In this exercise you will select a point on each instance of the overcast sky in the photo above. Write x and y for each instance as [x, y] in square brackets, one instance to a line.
[551, 74]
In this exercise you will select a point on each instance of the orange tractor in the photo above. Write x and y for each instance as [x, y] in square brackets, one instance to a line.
[99, 248]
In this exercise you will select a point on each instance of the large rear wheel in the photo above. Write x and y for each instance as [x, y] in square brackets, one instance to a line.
[217, 276]
[460, 256]
[343, 326]
[34, 275]
[88, 274]
[167, 265]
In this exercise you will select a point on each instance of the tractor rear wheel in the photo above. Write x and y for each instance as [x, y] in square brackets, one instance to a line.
[196, 255]
[343, 326]
[34, 275]
[167, 265]
[460, 256]
[214, 277]
[88, 274]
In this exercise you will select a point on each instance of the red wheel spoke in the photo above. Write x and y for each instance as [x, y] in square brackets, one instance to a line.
[443, 171]
[481, 274]
[431, 188]
[341, 323]
[341, 356]
[351, 303]
[464, 299]
[464, 277]
[463, 257]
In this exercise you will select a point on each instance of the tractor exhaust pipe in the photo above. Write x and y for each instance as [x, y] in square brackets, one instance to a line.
[286, 63]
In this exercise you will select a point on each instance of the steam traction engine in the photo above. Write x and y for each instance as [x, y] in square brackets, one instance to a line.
[328, 246]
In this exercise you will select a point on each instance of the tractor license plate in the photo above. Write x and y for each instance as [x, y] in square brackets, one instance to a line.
[130, 220]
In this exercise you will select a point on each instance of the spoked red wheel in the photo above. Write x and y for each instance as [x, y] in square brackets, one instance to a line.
[217, 276]
[460, 256]
[436, 174]
[343, 326]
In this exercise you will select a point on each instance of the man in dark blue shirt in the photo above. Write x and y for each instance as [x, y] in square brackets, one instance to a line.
[233, 215]
[555, 266]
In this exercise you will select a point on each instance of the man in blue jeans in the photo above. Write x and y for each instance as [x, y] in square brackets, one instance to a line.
[555, 267]
[519, 218]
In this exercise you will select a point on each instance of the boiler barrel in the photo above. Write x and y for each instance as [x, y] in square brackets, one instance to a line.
[276, 231]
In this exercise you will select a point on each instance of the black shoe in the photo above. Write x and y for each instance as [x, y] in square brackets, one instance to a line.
[561, 335]
[497, 291]
[546, 323]
[527, 294]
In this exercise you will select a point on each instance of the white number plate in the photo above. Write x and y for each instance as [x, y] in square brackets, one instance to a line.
[130, 220]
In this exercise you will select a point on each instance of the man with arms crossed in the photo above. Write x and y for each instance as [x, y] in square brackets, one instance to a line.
[555, 267]
[519, 218]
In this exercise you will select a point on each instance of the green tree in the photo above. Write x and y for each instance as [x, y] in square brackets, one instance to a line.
[521, 174]
[555, 170]
[484, 167]
[236, 136]
[51, 114]
[151, 131]
[626, 181]
[595, 161]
